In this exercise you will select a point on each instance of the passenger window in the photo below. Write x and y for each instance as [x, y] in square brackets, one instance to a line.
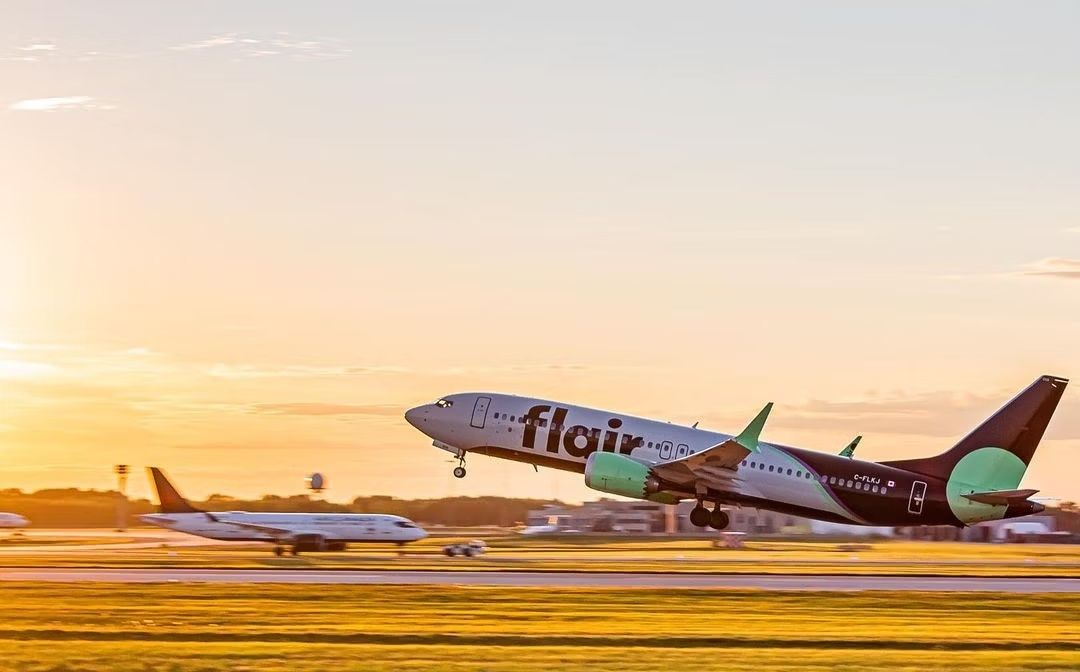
[875, 488]
[883, 491]
[832, 480]
[744, 463]
[858, 485]
[762, 466]
[788, 472]
[752, 464]
[798, 474]
[770, 467]
[850, 483]
[511, 418]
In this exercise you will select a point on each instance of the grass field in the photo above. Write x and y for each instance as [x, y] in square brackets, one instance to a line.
[184, 628]
[695, 555]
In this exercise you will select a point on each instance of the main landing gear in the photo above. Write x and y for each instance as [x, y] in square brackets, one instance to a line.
[702, 517]
[459, 471]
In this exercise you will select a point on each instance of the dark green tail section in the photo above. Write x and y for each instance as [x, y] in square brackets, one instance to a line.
[1016, 428]
[170, 501]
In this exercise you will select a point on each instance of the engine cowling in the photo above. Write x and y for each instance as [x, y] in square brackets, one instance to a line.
[618, 474]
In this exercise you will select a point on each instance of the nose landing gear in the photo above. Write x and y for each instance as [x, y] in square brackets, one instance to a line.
[459, 471]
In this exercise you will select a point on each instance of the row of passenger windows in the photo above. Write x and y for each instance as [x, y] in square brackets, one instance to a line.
[830, 480]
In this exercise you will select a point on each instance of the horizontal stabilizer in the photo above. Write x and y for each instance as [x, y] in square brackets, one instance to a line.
[1000, 497]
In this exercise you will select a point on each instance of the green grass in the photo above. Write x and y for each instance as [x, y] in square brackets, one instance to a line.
[189, 627]
[658, 555]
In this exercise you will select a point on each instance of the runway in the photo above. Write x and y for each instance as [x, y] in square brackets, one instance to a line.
[549, 579]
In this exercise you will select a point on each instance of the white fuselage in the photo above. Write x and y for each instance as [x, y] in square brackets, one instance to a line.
[284, 527]
[561, 435]
[12, 520]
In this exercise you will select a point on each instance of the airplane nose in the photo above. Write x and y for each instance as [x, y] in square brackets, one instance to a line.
[414, 415]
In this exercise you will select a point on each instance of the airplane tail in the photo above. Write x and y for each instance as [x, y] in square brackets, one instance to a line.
[170, 501]
[995, 455]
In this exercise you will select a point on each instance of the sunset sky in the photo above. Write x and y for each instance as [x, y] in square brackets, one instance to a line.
[238, 239]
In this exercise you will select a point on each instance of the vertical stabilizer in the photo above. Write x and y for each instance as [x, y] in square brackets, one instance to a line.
[997, 452]
[169, 500]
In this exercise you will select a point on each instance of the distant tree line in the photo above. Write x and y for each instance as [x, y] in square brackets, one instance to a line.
[71, 507]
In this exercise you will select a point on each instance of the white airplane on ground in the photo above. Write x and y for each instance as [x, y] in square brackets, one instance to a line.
[298, 531]
[977, 479]
[12, 520]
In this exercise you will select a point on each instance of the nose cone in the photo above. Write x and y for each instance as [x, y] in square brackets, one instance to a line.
[1037, 507]
[420, 417]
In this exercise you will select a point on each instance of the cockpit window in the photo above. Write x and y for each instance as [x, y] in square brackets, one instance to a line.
[444, 403]
[403, 523]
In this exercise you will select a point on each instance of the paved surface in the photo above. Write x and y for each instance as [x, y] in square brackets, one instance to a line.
[74, 541]
[589, 579]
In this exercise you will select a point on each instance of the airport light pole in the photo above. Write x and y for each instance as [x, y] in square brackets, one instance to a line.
[121, 471]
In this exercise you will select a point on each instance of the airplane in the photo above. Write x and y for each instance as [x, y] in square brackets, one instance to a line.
[12, 520]
[975, 480]
[298, 531]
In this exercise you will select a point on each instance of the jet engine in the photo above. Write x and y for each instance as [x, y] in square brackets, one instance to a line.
[618, 474]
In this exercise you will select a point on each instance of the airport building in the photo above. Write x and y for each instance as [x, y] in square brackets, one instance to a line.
[635, 517]
[607, 516]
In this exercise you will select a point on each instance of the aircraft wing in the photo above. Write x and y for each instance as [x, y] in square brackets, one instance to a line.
[1000, 497]
[278, 533]
[715, 466]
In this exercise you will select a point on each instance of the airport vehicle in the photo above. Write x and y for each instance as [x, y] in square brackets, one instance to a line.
[469, 550]
[296, 531]
[12, 520]
[975, 480]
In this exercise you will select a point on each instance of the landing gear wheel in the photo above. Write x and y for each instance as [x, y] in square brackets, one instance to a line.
[459, 472]
[279, 551]
[700, 516]
[718, 519]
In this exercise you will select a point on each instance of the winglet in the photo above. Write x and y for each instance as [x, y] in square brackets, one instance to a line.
[849, 449]
[748, 438]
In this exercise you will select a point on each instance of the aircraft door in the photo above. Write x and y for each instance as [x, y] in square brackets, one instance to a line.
[918, 494]
[479, 412]
[682, 451]
[665, 450]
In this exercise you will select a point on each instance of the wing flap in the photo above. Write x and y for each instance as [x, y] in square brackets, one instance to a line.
[275, 532]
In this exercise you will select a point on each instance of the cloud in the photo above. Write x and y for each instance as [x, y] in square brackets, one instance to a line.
[248, 371]
[316, 408]
[38, 46]
[1054, 267]
[276, 44]
[14, 368]
[940, 414]
[58, 103]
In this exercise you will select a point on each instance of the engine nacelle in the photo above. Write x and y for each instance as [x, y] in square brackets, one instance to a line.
[618, 474]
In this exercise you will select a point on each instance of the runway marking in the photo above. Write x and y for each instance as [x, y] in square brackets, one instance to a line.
[551, 579]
